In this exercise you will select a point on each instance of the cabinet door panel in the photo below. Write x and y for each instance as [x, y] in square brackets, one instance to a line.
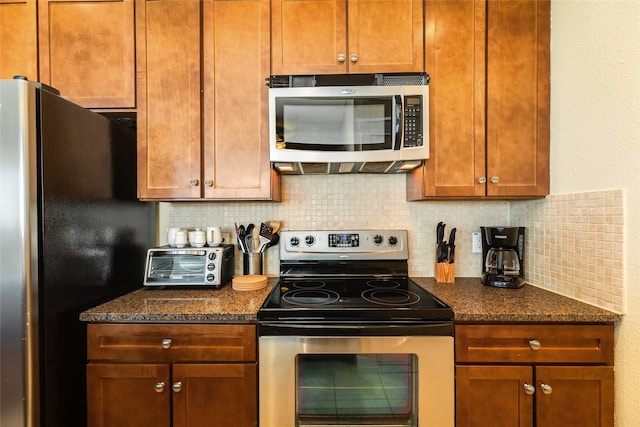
[18, 39]
[87, 51]
[455, 60]
[580, 396]
[168, 61]
[518, 97]
[386, 35]
[213, 395]
[493, 396]
[308, 36]
[125, 395]
[236, 62]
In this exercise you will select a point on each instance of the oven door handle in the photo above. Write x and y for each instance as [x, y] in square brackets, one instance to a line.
[444, 328]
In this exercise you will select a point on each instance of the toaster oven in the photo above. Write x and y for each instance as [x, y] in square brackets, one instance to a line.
[207, 266]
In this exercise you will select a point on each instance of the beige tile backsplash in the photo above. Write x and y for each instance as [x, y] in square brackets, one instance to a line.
[574, 243]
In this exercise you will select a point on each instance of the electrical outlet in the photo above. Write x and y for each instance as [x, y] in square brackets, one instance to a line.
[476, 245]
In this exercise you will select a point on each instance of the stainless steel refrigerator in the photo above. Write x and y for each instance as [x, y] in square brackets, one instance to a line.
[72, 235]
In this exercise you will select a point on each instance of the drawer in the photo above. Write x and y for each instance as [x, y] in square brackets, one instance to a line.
[171, 342]
[506, 343]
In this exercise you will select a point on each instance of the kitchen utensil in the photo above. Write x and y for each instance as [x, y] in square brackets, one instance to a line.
[275, 225]
[441, 250]
[266, 234]
[256, 238]
[248, 243]
[452, 245]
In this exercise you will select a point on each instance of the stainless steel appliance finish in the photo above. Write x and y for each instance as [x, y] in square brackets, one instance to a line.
[210, 266]
[342, 126]
[346, 338]
[72, 234]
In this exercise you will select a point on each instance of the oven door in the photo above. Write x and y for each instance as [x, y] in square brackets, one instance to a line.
[388, 381]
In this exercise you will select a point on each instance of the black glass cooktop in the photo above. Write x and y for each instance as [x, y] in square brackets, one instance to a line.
[364, 298]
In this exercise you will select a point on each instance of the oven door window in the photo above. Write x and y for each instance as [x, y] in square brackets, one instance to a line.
[335, 124]
[356, 389]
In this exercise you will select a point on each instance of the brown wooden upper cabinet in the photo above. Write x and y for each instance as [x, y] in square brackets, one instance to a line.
[347, 36]
[489, 100]
[18, 39]
[87, 51]
[202, 102]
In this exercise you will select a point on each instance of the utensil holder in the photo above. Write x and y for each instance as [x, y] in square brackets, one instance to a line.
[252, 263]
[445, 272]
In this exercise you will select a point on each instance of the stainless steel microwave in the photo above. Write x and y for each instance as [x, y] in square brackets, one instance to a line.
[348, 124]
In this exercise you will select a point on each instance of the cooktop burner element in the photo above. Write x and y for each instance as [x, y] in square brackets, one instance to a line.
[347, 276]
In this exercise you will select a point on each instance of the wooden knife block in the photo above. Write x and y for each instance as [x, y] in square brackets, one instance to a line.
[444, 272]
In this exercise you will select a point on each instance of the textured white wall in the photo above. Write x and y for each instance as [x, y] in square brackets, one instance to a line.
[595, 142]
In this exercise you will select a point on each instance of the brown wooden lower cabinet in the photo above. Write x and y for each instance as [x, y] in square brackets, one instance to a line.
[534, 375]
[181, 375]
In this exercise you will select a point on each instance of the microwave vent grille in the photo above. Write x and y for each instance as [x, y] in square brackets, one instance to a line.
[376, 167]
[405, 80]
[314, 168]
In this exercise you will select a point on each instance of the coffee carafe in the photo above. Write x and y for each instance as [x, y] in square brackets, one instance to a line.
[503, 256]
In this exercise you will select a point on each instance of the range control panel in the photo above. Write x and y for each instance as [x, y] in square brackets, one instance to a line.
[347, 244]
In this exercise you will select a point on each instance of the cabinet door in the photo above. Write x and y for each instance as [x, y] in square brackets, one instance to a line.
[128, 395]
[309, 36]
[168, 81]
[18, 39]
[213, 395]
[455, 46]
[494, 396]
[87, 51]
[518, 35]
[574, 396]
[236, 132]
[385, 36]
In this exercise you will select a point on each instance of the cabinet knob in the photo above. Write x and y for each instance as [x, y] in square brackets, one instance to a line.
[495, 179]
[535, 344]
[194, 182]
[208, 183]
[159, 387]
[177, 386]
[482, 180]
[529, 389]
[166, 343]
[341, 57]
[354, 57]
[546, 388]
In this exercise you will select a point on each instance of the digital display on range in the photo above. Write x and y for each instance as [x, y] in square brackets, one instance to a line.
[344, 240]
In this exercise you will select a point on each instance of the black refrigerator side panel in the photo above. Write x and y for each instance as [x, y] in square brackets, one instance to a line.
[94, 235]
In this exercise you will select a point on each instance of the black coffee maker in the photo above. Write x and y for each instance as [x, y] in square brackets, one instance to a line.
[503, 256]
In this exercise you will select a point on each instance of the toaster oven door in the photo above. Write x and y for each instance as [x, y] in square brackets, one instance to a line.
[176, 267]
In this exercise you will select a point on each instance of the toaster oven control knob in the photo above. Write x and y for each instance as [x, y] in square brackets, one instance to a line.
[309, 240]
[210, 277]
[211, 266]
[212, 256]
[393, 240]
[377, 239]
[294, 241]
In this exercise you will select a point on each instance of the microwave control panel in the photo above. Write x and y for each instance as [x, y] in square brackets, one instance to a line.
[413, 117]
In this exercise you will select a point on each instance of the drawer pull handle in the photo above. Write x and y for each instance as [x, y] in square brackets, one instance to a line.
[529, 389]
[177, 386]
[166, 343]
[535, 344]
[159, 387]
[546, 388]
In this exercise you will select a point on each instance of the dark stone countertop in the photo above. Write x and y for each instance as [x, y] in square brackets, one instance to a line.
[471, 302]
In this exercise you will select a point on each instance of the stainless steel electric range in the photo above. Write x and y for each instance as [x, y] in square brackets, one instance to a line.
[347, 338]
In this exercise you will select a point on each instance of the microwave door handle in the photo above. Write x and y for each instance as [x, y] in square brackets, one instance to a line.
[398, 119]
